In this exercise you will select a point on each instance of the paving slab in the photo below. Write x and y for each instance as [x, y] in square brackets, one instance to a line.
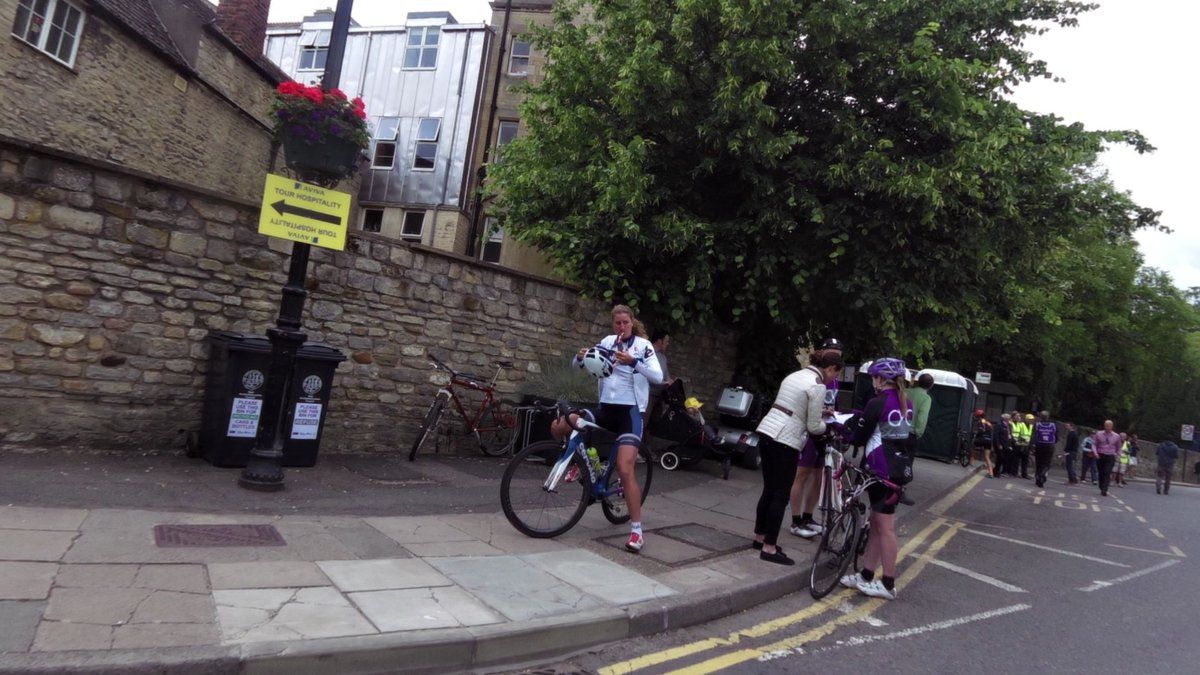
[33, 518]
[417, 529]
[662, 549]
[422, 608]
[96, 576]
[107, 606]
[362, 540]
[64, 636]
[185, 578]
[515, 588]
[603, 579]
[26, 580]
[270, 574]
[35, 545]
[692, 579]
[175, 607]
[287, 614]
[158, 635]
[379, 575]
[446, 549]
[18, 624]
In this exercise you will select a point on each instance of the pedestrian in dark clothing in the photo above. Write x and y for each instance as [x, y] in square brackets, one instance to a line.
[1070, 452]
[1045, 437]
[1108, 450]
[1002, 445]
[1168, 452]
[1088, 459]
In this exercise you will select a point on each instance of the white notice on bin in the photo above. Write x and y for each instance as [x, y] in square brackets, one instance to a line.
[243, 420]
[306, 421]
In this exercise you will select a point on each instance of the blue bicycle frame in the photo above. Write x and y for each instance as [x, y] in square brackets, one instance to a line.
[575, 446]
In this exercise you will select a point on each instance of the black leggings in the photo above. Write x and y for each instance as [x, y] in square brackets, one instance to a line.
[1104, 464]
[779, 470]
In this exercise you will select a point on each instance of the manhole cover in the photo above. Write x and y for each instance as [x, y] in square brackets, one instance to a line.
[171, 536]
[708, 538]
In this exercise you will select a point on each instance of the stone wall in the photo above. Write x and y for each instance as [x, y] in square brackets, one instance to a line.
[122, 102]
[109, 284]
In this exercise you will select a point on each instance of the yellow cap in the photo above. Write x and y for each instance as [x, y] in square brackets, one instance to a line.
[692, 402]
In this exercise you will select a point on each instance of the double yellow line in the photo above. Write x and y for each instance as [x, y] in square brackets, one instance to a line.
[825, 605]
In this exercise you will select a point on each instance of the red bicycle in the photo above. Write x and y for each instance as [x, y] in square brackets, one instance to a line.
[492, 424]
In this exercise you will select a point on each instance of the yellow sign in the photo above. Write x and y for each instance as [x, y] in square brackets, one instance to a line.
[305, 213]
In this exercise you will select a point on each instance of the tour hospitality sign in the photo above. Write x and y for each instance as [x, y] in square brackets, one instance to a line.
[305, 213]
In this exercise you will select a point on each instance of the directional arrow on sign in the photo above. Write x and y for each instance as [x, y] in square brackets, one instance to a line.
[282, 208]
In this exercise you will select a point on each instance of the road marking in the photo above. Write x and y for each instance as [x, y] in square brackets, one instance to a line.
[1157, 533]
[1003, 585]
[1128, 508]
[942, 505]
[1045, 548]
[1174, 550]
[866, 609]
[1142, 518]
[907, 632]
[846, 608]
[1133, 575]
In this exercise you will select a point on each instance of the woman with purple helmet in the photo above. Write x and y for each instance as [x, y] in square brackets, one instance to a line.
[884, 429]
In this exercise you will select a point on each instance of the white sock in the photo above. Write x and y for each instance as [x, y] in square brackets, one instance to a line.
[636, 527]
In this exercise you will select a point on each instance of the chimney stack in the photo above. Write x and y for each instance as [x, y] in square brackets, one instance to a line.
[246, 22]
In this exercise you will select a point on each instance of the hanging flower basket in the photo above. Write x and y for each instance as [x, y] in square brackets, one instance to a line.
[323, 134]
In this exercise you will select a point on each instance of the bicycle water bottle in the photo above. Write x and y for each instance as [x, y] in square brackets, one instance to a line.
[594, 458]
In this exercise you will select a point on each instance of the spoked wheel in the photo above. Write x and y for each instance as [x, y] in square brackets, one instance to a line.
[834, 553]
[531, 508]
[614, 506]
[495, 432]
[964, 457]
[432, 417]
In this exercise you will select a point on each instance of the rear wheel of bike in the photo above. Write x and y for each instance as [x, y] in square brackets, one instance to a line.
[432, 417]
[495, 432]
[614, 506]
[964, 455]
[834, 553]
[529, 506]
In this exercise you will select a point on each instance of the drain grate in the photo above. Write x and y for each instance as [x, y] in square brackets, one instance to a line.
[175, 536]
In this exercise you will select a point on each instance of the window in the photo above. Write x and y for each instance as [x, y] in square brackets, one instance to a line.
[508, 131]
[427, 142]
[372, 220]
[518, 63]
[384, 156]
[414, 226]
[495, 240]
[421, 52]
[60, 38]
[314, 48]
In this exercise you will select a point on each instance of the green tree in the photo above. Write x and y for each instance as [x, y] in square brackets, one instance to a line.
[803, 168]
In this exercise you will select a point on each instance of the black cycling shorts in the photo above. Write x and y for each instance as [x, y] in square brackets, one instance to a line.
[880, 496]
[623, 420]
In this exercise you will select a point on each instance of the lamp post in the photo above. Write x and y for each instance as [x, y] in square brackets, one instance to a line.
[264, 471]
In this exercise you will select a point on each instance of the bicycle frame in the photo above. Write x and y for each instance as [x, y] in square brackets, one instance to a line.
[599, 487]
[489, 398]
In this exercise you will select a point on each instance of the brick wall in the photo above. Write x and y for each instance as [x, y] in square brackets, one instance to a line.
[245, 21]
[121, 102]
[109, 284]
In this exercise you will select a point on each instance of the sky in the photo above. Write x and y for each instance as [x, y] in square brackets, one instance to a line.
[1131, 64]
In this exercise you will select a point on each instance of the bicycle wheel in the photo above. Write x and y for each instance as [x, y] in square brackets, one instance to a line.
[495, 432]
[834, 553]
[432, 417]
[614, 506]
[529, 506]
[964, 455]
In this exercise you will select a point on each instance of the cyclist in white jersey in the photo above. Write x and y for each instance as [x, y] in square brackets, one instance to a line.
[624, 396]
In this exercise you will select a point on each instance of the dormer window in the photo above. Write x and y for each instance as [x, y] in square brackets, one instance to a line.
[314, 49]
[421, 52]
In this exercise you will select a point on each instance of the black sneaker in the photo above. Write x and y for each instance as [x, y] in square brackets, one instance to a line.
[778, 557]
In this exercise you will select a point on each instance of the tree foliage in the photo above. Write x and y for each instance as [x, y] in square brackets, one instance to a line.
[804, 168]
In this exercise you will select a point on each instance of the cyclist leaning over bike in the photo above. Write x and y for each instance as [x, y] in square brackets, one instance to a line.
[624, 395]
[885, 429]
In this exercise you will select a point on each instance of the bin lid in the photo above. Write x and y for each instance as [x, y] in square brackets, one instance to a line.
[242, 342]
[315, 351]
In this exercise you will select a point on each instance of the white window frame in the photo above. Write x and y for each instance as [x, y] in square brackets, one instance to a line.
[495, 236]
[426, 140]
[47, 27]
[419, 236]
[500, 142]
[363, 222]
[385, 134]
[316, 51]
[421, 46]
[523, 59]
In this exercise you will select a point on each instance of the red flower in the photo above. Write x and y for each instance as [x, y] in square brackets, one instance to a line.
[314, 94]
[338, 94]
[358, 103]
[362, 114]
[291, 88]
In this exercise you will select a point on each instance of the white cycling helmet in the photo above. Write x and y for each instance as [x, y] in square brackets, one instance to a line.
[598, 362]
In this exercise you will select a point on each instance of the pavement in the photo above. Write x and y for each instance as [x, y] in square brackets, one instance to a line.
[366, 563]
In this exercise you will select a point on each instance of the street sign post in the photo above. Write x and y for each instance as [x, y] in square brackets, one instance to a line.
[1187, 432]
[304, 213]
[983, 378]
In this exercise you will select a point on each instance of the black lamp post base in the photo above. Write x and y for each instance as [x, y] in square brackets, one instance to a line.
[264, 477]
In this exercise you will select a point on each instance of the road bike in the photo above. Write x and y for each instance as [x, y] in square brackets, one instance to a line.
[544, 504]
[965, 446]
[492, 424]
[834, 482]
[845, 539]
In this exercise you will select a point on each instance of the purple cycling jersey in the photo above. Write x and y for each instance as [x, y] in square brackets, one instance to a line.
[883, 422]
[1045, 433]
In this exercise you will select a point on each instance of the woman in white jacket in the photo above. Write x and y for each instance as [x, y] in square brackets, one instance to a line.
[795, 414]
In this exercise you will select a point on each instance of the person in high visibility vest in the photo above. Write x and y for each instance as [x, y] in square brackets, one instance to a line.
[1022, 433]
